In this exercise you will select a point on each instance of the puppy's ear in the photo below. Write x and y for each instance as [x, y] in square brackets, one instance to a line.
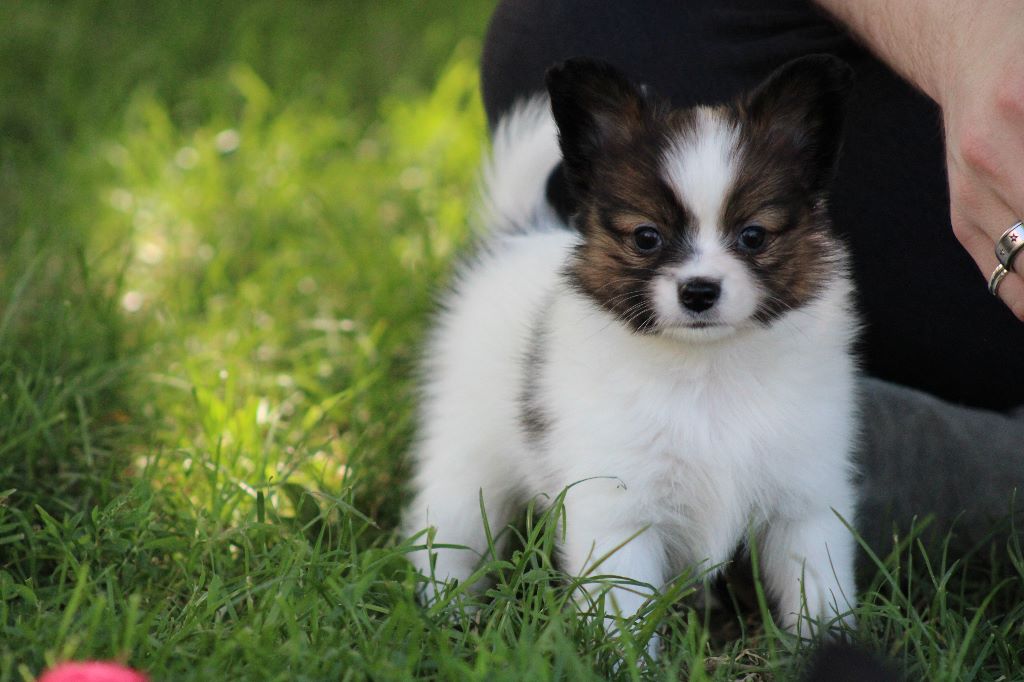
[798, 113]
[595, 107]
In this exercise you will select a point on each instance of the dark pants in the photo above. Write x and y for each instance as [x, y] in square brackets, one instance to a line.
[934, 336]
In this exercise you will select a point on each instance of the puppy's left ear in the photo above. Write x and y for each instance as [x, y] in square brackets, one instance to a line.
[798, 112]
[595, 108]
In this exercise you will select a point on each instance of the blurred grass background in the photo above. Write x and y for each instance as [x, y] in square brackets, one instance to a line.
[243, 208]
[221, 227]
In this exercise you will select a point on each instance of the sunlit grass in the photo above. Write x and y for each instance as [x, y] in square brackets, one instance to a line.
[281, 267]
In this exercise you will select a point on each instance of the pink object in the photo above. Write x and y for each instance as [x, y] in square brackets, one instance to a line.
[92, 671]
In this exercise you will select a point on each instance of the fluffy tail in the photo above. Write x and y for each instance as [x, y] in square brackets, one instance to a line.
[524, 152]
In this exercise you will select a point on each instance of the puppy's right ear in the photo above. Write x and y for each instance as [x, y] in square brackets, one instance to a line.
[798, 113]
[595, 107]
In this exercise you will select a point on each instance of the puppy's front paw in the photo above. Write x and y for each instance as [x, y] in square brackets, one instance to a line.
[816, 611]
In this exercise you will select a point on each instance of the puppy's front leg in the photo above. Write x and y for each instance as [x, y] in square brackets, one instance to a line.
[808, 569]
[604, 546]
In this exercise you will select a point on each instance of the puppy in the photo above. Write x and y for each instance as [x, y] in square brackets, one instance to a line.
[683, 356]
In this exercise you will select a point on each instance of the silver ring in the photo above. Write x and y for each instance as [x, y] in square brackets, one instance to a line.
[1009, 244]
[995, 278]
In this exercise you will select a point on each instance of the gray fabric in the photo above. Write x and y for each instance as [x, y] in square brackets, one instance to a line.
[921, 456]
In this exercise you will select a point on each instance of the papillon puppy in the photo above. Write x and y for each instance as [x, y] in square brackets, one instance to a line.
[680, 355]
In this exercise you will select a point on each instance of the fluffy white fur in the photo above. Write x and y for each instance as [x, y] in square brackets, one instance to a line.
[683, 441]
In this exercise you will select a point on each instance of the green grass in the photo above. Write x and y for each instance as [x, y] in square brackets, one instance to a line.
[221, 227]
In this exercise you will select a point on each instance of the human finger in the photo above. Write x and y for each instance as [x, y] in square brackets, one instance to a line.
[987, 178]
[1010, 288]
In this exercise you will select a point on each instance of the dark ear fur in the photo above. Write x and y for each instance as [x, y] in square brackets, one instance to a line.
[594, 106]
[798, 111]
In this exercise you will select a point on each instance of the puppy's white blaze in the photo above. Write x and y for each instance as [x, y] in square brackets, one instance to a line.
[700, 167]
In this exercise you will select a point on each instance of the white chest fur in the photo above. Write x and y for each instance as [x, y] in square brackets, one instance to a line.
[696, 440]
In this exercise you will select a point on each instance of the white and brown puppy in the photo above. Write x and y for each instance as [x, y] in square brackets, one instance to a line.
[683, 355]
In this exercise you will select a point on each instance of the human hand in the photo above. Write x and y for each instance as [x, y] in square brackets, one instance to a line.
[981, 90]
[965, 54]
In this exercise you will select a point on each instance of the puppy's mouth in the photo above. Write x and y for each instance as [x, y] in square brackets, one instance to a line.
[698, 331]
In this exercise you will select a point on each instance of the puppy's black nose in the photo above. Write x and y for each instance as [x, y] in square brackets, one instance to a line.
[699, 294]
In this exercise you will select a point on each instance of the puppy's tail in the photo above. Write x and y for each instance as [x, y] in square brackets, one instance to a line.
[524, 152]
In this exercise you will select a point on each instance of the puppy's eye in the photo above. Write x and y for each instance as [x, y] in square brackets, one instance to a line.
[752, 239]
[647, 239]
